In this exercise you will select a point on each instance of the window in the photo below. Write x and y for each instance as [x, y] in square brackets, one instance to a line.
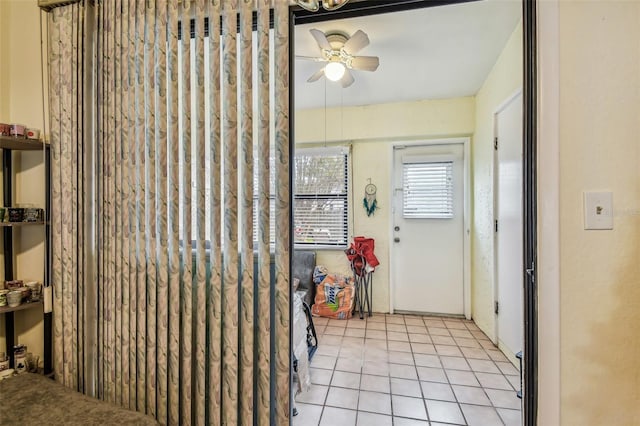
[428, 190]
[320, 197]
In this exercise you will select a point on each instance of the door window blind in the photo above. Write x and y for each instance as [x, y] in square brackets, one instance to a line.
[428, 190]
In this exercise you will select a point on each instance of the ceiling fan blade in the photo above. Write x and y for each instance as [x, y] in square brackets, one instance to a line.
[316, 76]
[333, 4]
[357, 41]
[310, 5]
[321, 39]
[347, 80]
[365, 63]
[311, 58]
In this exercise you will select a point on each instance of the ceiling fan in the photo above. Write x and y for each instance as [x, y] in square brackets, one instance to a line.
[338, 51]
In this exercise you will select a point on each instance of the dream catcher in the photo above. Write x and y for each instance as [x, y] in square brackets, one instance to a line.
[370, 203]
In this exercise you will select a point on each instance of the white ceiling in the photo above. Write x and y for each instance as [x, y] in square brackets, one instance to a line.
[430, 53]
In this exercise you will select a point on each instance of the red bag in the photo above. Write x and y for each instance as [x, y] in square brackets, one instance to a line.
[361, 255]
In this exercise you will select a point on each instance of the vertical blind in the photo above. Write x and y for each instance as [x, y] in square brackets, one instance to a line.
[427, 190]
[184, 334]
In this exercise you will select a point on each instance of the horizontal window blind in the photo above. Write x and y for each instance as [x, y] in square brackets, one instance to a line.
[428, 190]
[320, 197]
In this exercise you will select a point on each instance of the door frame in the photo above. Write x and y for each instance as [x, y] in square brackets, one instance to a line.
[496, 179]
[530, 35]
[466, 261]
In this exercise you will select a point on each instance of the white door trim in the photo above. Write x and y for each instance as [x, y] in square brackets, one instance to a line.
[465, 142]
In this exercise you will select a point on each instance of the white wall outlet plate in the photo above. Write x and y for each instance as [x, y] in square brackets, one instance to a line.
[598, 210]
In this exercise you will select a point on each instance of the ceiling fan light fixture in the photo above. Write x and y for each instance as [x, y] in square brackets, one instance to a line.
[314, 5]
[334, 71]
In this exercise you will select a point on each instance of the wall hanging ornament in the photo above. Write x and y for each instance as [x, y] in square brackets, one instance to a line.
[370, 203]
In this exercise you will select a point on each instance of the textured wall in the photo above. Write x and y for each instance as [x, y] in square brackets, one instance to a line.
[599, 71]
[502, 82]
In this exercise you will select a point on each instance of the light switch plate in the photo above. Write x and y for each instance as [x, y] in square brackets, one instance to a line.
[598, 210]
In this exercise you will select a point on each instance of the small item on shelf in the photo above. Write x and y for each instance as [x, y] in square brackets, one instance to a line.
[16, 130]
[36, 290]
[26, 294]
[3, 297]
[16, 214]
[33, 134]
[14, 284]
[4, 361]
[20, 358]
[33, 215]
[5, 129]
[14, 298]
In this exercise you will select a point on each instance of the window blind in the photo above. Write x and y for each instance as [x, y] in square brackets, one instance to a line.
[428, 190]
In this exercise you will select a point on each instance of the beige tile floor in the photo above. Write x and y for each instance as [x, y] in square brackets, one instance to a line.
[406, 370]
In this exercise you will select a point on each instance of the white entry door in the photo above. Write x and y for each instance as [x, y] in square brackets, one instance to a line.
[508, 207]
[428, 229]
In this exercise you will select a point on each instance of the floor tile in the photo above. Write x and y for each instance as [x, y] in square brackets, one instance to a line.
[320, 376]
[376, 354]
[370, 419]
[320, 320]
[403, 371]
[455, 325]
[400, 421]
[441, 411]
[375, 383]
[515, 381]
[415, 320]
[404, 406]
[344, 379]
[376, 318]
[397, 336]
[342, 398]
[510, 417]
[406, 387]
[334, 331]
[405, 358]
[430, 374]
[504, 399]
[496, 355]
[439, 331]
[356, 324]
[376, 368]
[352, 342]
[332, 416]
[423, 348]
[483, 366]
[480, 416]
[351, 352]
[329, 350]
[401, 328]
[308, 415]
[488, 345]
[350, 365]
[467, 342]
[439, 391]
[329, 339]
[507, 368]
[418, 329]
[323, 361]
[479, 335]
[394, 345]
[442, 340]
[433, 322]
[448, 350]
[461, 333]
[354, 332]
[424, 360]
[493, 381]
[316, 395]
[375, 343]
[376, 326]
[474, 353]
[454, 363]
[376, 334]
[375, 402]
[465, 378]
[471, 395]
[420, 338]
[395, 319]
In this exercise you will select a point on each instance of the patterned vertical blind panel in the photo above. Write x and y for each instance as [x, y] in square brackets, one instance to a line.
[183, 328]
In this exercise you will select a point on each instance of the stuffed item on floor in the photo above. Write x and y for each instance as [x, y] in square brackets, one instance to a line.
[334, 297]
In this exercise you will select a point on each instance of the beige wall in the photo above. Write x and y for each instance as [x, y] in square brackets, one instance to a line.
[599, 133]
[21, 102]
[502, 82]
[371, 131]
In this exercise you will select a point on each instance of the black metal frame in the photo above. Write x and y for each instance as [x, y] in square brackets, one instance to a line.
[373, 7]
